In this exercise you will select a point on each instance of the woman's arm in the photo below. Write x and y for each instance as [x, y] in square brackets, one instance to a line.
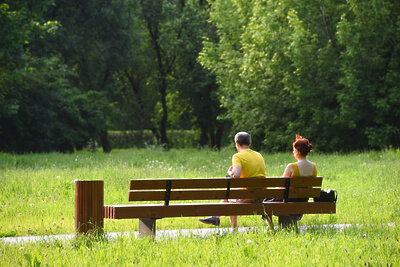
[288, 171]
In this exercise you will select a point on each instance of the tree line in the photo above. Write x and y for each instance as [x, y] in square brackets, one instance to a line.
[72, 70]
[328, 70]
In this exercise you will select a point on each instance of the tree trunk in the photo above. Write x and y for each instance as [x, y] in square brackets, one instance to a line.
[203, 136]
[144, 119]
[212, 137]
[105, 143]
[218, 135]
[164, 119]
[163, 70]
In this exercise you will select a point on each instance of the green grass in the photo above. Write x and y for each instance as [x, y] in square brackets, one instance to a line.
[37, 197]
[353, 247]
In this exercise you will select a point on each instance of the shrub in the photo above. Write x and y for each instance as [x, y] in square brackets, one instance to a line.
[127, 139]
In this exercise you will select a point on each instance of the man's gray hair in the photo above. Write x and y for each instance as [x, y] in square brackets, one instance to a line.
[243, 138]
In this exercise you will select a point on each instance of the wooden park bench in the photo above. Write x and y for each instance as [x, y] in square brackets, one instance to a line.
[90, 210]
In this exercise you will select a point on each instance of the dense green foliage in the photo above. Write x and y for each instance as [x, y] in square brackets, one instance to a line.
[70, 71]
[43, 107]
[38, 198]
[52, 113]
[146, 139]
[326, 69]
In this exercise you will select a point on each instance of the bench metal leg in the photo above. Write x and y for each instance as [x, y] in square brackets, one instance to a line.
[147, 227]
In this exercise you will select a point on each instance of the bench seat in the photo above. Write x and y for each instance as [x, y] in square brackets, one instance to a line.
[216, 209]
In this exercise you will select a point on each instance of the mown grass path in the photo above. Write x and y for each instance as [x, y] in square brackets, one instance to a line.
[163, 234]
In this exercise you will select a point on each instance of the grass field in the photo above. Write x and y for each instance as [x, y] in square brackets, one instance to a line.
[37, 198]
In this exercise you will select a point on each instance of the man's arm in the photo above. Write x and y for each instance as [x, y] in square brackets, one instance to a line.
[235, 171]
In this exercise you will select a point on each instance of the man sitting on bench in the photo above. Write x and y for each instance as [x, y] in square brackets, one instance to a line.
[245, 163]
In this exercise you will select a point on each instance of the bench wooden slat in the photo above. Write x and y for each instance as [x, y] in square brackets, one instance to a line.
[217, 209]
[212, 194]
[186, 183]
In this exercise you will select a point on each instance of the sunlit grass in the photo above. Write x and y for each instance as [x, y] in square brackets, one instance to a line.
[37, 197]
[353, 246]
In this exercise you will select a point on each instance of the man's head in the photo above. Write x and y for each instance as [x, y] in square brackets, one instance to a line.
[243, 139]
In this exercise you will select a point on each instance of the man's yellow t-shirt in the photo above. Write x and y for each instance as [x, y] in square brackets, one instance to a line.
[251, 163]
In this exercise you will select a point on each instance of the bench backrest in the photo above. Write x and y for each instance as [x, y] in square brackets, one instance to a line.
[223, 188]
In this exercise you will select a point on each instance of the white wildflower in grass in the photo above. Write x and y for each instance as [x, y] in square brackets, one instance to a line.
[248, 241]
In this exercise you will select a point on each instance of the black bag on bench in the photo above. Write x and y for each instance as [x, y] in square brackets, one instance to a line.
[327, 195]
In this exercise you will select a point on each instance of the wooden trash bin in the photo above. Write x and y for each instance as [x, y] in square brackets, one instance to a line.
[89, 206]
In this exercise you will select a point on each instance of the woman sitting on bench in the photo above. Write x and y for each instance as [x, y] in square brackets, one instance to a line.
[303, 167]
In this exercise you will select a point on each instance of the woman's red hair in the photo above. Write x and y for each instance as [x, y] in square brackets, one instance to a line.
[302, 145]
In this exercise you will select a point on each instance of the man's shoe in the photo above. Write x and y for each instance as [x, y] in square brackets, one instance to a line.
[214, 220]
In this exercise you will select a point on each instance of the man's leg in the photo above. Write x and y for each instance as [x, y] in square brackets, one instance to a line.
[214, 220]
[233, 220]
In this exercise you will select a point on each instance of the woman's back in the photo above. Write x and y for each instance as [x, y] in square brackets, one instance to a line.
[303, 167]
